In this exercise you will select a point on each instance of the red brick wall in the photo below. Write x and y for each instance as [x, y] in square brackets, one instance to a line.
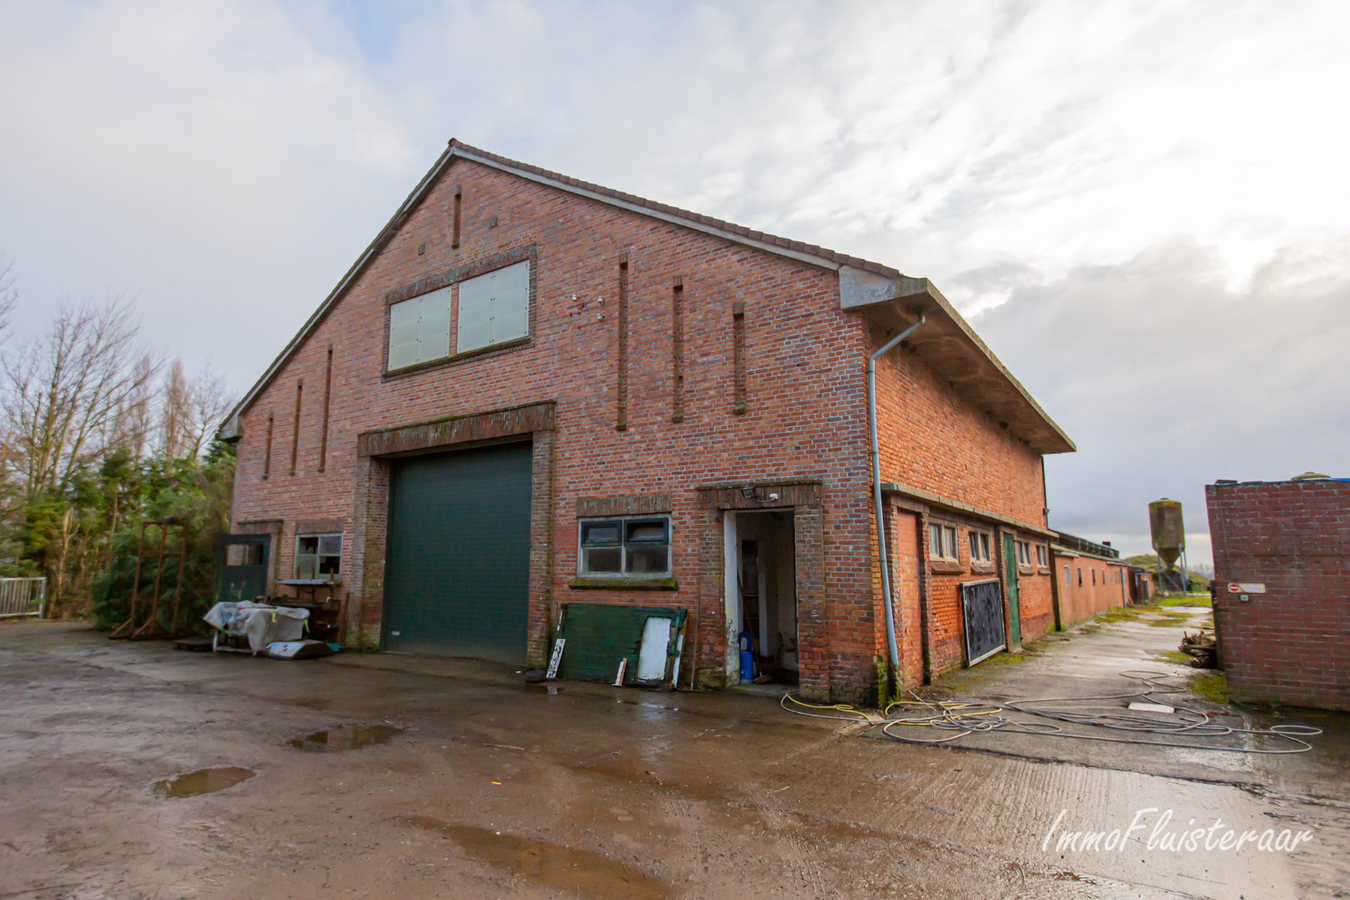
[1035, 598]
[906, 588]
[805, 416]
[935, 438]
[945, 621]
[1079, 602]
[1290, 644]
[805, 413]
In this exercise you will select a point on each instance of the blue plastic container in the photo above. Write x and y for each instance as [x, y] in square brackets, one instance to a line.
[747, 657]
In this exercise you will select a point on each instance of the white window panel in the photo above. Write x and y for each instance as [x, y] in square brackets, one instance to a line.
[403, 334]
[419, 329]
[494, 308]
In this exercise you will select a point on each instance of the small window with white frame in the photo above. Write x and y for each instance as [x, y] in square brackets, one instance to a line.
[633, 546]
[942, 542]
[318, 557]
[1042, 556]
[980, 548]
[1023, 553]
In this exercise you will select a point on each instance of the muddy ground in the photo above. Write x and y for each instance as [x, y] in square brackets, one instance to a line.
[497, 789]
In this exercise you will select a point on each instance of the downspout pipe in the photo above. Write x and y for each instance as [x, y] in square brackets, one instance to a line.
[891, 643]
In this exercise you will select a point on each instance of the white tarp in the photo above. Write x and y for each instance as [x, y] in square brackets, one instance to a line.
[307, 649]
[262, 624]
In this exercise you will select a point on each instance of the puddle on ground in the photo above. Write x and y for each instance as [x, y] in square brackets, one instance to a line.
[202, 781]
[627, 773]
[561, 868]
[345, 737]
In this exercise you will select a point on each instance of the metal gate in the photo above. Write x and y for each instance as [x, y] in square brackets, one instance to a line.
[982, 606]
[22, 597]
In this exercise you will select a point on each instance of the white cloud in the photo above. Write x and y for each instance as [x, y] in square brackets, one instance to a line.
[1168, 380]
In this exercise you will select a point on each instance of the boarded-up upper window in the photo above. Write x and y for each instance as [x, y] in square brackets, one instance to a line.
[494, 308]
[419, 329]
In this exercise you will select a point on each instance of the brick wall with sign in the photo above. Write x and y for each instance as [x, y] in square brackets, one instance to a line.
[1286, 636]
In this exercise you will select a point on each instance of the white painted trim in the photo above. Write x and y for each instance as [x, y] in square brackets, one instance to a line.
[731, 568]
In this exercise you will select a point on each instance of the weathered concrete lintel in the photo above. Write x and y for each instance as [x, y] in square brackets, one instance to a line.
[502, 423]
[319, 526]
[630, 505]
[461, 273]
[932, 499]
[623, 584]
[791, 492]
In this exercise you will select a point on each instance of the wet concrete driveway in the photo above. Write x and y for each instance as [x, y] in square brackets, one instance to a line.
[491, 788]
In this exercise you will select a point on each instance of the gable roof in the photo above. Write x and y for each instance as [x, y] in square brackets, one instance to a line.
[947, 343]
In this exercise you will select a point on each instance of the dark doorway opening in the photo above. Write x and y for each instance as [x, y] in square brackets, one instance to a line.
[762, 598]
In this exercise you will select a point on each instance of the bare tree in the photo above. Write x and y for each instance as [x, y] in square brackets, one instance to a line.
[137, 413]
[211, 400]
[175, 415]
[9, 296]
[64, 390]
[11, 455]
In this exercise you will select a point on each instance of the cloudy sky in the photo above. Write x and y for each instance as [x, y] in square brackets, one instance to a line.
[1143, 207]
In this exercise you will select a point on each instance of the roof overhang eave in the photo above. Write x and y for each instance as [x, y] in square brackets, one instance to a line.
[950, 347]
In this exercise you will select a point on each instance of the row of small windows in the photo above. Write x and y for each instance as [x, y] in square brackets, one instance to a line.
[942, 546]
[1113, 576]
[1024, 554]
[318, 557]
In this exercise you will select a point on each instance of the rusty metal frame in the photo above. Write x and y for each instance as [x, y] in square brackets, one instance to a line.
[150, 628]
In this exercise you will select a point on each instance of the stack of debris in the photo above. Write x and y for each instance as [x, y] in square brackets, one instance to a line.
[1200, 648]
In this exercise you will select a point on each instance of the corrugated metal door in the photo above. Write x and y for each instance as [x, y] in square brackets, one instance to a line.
[458, 566]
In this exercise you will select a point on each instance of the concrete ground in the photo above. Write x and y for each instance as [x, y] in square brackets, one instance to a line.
[498, 789]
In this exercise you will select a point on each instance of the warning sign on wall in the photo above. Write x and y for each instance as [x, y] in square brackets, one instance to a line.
[1246, 587]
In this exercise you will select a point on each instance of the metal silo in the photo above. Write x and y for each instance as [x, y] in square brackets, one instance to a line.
[1169, 542]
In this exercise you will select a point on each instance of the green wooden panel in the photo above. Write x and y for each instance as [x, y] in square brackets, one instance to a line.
[600, 634]
[248, 580]
[1014, 612]
[457, 569]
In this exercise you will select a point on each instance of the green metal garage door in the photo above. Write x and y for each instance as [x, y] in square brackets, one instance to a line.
[457, 571]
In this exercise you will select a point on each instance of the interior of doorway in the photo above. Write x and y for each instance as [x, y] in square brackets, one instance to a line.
[761, 595]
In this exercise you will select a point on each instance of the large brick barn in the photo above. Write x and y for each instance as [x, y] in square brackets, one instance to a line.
[531, 391]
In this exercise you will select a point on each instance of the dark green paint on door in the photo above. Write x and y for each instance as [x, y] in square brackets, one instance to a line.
[1014, 614]
[457, 569]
